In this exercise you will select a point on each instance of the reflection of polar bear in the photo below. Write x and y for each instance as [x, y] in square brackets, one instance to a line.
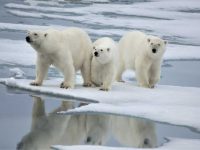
[69, 50]
[104, 63]
[134, 132]
[54, 129]
[143, 53]
[46, 130]
[97, 129]
[87, 129]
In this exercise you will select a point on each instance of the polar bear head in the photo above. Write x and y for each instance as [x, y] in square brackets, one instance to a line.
[102, 54]
[36, 38]
[156, 47]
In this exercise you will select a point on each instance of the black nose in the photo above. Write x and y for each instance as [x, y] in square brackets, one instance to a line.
[28, 39]
[154, 50]
[95, 53]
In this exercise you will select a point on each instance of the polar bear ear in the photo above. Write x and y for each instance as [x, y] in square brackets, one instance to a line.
[148, 39]
[165, 42]
[108, 49]
[45, 34]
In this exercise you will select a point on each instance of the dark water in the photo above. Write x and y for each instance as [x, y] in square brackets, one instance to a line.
[30, 121]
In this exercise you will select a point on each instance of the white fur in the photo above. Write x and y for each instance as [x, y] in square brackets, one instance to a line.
[104, 66]
[69, 50]
[136, 53]
[134, 132]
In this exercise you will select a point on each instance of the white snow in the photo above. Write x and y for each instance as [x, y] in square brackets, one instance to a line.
[16, 72]
[16, 52]
[164, 103]
[25, 27]
[174, 144]
[11, 82]
[163, 18]
[50, 3]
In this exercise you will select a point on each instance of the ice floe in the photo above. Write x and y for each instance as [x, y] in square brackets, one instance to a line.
[163, 18]
[169, 104]
[16, 72]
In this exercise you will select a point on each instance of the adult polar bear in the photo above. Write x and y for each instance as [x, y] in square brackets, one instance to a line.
[142, 53]
[69, 50]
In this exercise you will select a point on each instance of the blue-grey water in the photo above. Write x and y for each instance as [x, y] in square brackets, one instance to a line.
[29, 121]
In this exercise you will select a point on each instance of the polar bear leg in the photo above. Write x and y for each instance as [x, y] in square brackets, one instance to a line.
[142, 70]
[69, 76]
[65, 65]
[38, 111]
[86, 73]
[108, 80]
[154, 75]
[41, 70]
[120, 72]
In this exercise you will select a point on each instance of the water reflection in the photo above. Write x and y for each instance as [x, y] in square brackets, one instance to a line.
[53, 129]
[134, 132]
[46, 129]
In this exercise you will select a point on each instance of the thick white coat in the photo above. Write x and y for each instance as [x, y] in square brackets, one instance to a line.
[136, 53]
[104, 65]
[69, 50]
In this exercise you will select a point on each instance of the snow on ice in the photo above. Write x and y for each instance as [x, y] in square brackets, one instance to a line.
[163, 104]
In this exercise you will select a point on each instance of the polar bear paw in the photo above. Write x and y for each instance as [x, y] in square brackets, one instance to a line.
[152, 86]
[64, 85]
[87, 84]
[35, 83]
[144, 85]
[104, 88]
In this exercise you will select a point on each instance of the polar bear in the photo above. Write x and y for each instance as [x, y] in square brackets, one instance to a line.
[142, 53]
[69, 50]
[132, 132]
[104, 63]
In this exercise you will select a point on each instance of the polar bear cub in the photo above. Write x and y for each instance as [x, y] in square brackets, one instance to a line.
[142, 53]
[104, 63]
[69, 50]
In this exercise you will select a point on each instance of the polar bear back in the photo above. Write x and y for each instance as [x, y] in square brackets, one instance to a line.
[130, 46]
[74, 40]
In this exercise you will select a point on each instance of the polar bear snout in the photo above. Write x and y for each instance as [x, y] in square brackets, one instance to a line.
[96, 54]
[154, 50]
[28, 39]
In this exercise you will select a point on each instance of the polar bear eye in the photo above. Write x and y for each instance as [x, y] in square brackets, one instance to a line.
[158, 44]
[35, 34]
[102, 50]
[151, 43]
[108, 49]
